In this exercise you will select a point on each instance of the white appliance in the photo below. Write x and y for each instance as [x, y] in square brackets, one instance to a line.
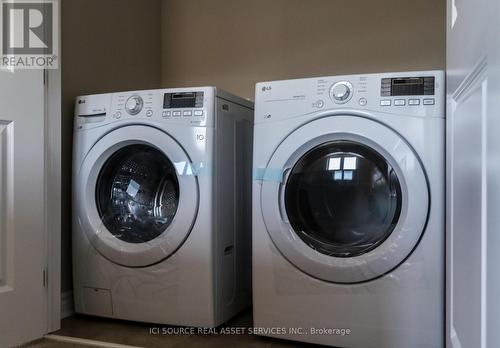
[348, 210]
[162, 201]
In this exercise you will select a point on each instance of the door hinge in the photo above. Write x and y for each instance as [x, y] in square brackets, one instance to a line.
[44, 280]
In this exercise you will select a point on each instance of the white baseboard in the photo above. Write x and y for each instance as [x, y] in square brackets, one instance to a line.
[85, 342]
[67, 304]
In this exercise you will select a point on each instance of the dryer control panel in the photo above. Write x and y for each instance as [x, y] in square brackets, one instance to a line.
[412, 91]
[405, 86]
[418, 94]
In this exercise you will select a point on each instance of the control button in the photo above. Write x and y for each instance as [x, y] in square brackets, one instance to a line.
[414, 102]
[399, 102]
[166, 113]
[118, 114]
[319, 104]
[341, 92]
[149, 113]
[187, 113]
[134, 105]
[363, 101]
[176, 113]
[385, 102]
[429, 101]
[198, 112]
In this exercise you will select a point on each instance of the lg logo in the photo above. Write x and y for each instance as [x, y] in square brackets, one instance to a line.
[27, 28]
[266, 88]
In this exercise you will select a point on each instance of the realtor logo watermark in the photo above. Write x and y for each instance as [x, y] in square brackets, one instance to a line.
[29, 37]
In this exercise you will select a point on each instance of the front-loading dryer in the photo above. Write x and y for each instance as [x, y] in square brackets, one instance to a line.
[161, 195]
[348, 210]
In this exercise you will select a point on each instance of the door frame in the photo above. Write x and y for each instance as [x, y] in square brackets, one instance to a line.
[53, 194]
[53, 198]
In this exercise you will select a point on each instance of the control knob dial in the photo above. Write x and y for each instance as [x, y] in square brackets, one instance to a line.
[134, 105]
[341, 92]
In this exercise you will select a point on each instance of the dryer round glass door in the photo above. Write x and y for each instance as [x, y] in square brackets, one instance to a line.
[136, 196]
[345, 199]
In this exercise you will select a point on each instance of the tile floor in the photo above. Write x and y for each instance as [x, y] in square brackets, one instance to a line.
[138, 334]
[47, 343]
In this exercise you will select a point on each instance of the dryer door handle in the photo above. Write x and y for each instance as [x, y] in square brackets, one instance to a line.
[281, 194]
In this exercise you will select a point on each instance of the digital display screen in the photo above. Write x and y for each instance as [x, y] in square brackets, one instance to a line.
[408, 81]
[183, 100]
[184, 96]
[407, 86]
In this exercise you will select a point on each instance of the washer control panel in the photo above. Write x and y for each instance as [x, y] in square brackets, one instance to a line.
[180, 100]
[186, 107]
[182, 106]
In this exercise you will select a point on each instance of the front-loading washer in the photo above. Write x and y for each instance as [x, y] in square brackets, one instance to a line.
[162, 201]
[348, 210]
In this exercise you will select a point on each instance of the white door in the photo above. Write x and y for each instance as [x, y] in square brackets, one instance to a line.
[473, 202]
[22, 203]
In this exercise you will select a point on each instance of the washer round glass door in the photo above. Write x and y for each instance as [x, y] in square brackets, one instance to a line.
[351, 201]
[137, 198]
[137, 193]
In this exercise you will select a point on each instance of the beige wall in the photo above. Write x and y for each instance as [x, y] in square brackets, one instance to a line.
[107, 45]
[235, 43]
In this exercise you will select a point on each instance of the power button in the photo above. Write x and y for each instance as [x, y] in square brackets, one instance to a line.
[319, 104]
